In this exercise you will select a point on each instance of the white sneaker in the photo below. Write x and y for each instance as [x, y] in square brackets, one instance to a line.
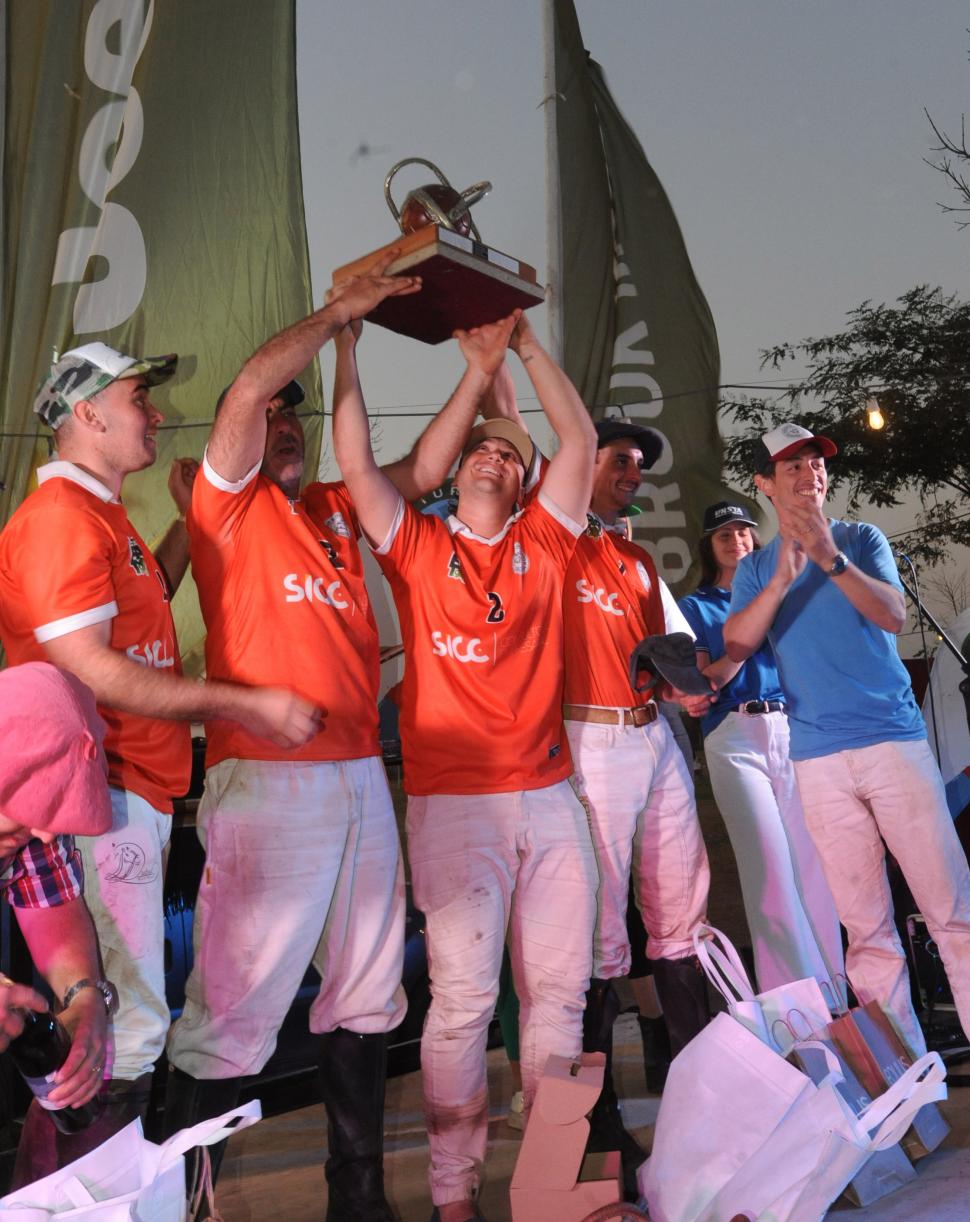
[515, 1118]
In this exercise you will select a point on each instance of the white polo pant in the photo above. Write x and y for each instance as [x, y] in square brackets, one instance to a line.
[484, 866]
[124, 874]
[303, 865]
[643, 819]
[892, 790]
[791, 914]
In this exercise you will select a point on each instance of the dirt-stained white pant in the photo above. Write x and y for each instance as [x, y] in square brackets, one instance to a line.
[791, 914]
[303, 865]
[643, 818]
[123, 880]
[483, 865]
[891, 790]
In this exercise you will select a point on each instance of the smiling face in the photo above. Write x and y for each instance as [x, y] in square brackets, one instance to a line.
[729, 545]
[616, 478]
[130, 424]
[493, 467]
[799, 480]
[283, 454]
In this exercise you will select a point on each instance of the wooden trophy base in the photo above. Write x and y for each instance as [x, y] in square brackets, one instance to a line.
[464, 284]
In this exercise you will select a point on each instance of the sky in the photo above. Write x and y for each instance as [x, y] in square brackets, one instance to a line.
[790, 136]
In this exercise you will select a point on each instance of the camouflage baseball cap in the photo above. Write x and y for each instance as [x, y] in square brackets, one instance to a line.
[84, 371]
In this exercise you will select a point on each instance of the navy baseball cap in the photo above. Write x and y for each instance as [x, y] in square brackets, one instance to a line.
[648, 441]
[725, 514]
[671, 656]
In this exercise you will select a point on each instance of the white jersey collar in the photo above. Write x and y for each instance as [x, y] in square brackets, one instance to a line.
[59, 469]
[457, 527]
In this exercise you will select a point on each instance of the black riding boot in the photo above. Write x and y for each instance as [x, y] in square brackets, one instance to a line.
[606, 1131]
[656, 1052]
[352, 1073]
[682, 990]
[190, 1100]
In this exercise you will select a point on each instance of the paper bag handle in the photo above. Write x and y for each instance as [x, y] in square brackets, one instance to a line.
[209, 1132]
[722, 964]
[835, 1074]
[890, 1114]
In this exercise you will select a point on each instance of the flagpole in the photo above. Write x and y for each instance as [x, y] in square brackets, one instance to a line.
[553, 220]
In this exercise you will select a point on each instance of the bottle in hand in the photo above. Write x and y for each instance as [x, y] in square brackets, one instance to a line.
[39, 1052]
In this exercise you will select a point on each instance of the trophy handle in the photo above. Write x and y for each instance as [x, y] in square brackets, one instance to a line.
[471, 195]
[395, 211]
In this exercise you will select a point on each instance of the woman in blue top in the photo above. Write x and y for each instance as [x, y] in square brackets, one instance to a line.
[794, 929]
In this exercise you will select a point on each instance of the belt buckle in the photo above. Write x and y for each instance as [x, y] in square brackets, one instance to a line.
[753, 707]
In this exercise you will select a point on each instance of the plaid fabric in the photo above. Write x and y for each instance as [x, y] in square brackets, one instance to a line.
[42, 875]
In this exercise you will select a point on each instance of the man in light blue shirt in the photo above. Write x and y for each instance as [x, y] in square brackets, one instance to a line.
[826, 595]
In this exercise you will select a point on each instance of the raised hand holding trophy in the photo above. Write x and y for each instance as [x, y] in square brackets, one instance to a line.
[465, 283]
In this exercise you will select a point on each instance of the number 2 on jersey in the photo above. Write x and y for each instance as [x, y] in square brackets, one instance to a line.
[496, 612]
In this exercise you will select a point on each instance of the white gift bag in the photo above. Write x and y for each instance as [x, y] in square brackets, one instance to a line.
[833, 1154]
[740, 1130]
[127, 1178]
[777, 1016]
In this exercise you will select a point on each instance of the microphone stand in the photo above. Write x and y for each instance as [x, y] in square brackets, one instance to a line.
[947, 640]
[960, 1054]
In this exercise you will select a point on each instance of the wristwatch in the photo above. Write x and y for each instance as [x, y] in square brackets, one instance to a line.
[839, 564]
[107, 990]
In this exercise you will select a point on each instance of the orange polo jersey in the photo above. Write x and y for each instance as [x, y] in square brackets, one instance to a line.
[281, 585]
[69, 559]
[611, 601]
[481, 622]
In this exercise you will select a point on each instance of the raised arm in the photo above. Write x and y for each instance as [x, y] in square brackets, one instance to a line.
[375, 496]
[434, 453]
[569, 480]
[500, 401]
[239, 433]
[280, 716]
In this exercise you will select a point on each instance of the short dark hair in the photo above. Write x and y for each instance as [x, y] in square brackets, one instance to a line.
[705, 550]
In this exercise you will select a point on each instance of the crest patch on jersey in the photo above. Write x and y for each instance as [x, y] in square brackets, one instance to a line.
[454, 568]
[520, 561]
[136, 558]
[643, 575]
[338, 525]
[594, 527]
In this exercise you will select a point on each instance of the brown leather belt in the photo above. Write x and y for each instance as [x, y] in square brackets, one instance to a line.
[642, 715]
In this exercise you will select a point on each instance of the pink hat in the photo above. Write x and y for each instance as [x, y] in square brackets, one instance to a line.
[53, 772]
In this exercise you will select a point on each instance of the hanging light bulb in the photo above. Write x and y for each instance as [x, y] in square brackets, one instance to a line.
[876, 419]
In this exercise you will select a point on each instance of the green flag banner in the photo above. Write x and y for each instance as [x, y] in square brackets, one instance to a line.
[637, 331]
[152, 198]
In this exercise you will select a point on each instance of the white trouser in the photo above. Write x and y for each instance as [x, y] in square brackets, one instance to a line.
[481, 865]
[123, 881]
[302, 865]
[892, 790]
[643, 818]
[791, 914]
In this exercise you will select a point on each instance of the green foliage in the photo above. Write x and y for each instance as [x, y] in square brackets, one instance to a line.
[914, 357]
